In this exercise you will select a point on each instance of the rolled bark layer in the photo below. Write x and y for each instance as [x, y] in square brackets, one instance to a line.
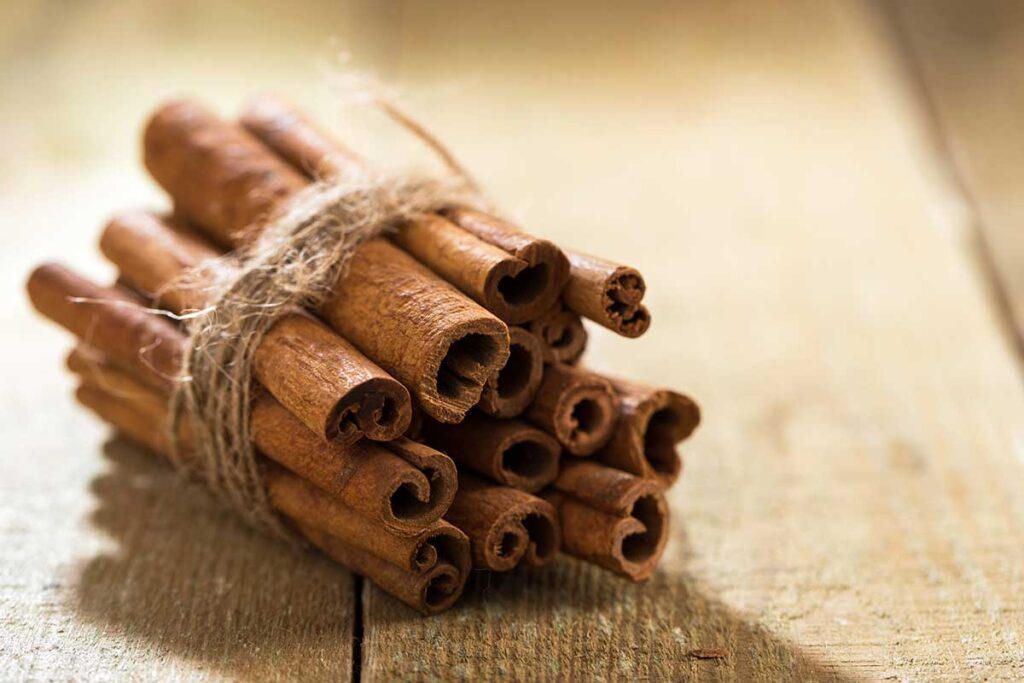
[577, 407]
[417, 327]
[325, 381]
[509, 452]
[607, 293]
[562, 335]
[515, 276]
[415, 549]
[367, 477]
[506, 527]
[651, 423]
[611, 518]
[513, 388]
[429, 592]
[398, 484]
[439, 344]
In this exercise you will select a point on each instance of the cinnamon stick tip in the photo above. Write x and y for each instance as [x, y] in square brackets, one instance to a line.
[475, 351]
[379, 408]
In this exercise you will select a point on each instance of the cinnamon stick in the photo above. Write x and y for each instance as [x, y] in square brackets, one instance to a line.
[426, 570]
[506, 527]
[607, 293]
[577, 407]
[513, 388]
[397, 484]
[437, 342]
[109, 320]
[650, 424]
[514, 275]
[611, 518]
[430, 592]
[562, 335]
[509, 452]
[325, 381]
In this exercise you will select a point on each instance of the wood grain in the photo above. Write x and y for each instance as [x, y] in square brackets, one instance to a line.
[969, 58]
[852, 506]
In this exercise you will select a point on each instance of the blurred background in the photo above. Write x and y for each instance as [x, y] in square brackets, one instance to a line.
[824, 198]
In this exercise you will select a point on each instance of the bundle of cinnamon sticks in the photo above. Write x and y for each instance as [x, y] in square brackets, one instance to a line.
[431, 416]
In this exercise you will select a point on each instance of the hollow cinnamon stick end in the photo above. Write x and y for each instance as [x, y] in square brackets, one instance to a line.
[475, 351]
[629, 544]
[562, 335]
[412, 504]
[607, 293]
[577, 407]
[352, 396]
[651, 424]
[505, 526]
[533, 285]
[511, 389]
[527, 533]
[529, 459]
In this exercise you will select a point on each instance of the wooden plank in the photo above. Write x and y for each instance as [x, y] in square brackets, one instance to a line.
[853, 504]
[970, 59]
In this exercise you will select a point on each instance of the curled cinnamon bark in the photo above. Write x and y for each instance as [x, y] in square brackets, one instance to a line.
[511, 390]
[427, 570]
[397, 484]
[320, 377]
[577, 407]
[437, 342]
[509, 452]
[430, 591]
[506, 527]
[651, 422]
[513, 275]
[562, 335]
[415, 549]
[607, 293]
[611, 518]
[367, 477]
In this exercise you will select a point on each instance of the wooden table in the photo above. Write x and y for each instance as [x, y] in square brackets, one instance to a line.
[825, 198]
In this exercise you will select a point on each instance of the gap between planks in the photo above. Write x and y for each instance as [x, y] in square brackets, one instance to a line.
[950, 183]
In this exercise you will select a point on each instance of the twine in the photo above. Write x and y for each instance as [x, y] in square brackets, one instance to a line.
[294, 263]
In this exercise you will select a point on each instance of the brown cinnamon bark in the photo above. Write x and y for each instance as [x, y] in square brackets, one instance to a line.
[650, 424]
[380, 481]
[509, 452]
[427, 570]
[365, 477]
[611, 518]
[320, 377]
[430, 592]
[562, 335]
[577, 407]
[437, 342]
[513, 275]
[509, 392]
[412, 550]
[607, 293]
[397, 484]
[109, 320]
[506, 527]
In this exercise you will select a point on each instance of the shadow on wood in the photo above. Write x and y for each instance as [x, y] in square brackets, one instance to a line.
[189, 580]
[573, 621]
